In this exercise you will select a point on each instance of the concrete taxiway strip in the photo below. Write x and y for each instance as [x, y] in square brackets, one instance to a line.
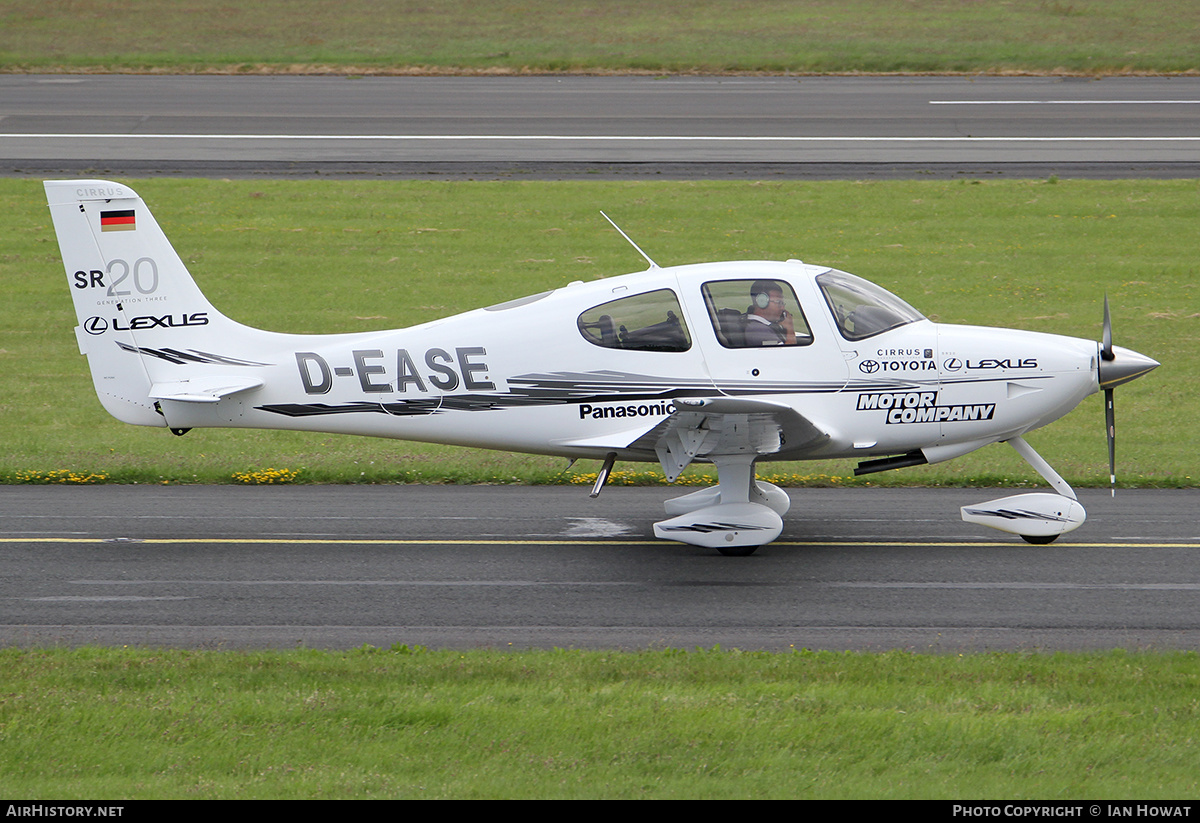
[615, 138]
[544, 127]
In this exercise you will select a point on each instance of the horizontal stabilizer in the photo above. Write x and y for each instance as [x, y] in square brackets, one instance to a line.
[203, 390]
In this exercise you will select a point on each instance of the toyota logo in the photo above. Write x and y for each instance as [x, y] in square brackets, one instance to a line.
[868, 367]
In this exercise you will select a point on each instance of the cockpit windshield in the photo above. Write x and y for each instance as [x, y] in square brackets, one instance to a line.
[861, 308]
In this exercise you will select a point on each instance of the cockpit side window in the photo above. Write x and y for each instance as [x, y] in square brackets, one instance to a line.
[753, 313]
[860, 308]
[651, 321]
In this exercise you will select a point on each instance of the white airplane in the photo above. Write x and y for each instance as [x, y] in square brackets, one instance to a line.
[724, 363]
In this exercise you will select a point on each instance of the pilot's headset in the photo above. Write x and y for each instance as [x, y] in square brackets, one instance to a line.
[760, 293]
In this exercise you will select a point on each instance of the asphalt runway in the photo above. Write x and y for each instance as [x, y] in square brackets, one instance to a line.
[590, 127]
[519, 567]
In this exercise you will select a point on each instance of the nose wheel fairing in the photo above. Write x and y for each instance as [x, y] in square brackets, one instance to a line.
[1038, 517]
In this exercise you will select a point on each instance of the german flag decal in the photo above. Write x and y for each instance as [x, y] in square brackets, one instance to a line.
[117, 220]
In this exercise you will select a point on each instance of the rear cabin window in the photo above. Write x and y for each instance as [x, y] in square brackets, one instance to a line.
[753, 313]
[651, 321]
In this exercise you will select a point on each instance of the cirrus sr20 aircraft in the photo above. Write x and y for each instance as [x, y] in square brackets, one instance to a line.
[725, 363]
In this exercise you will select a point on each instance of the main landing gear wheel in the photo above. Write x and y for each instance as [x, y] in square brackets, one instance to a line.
[1039, 539]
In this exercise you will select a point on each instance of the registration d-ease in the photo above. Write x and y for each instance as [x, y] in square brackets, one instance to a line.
[378, 374]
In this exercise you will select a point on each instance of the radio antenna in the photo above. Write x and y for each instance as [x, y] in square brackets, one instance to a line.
[653, 265]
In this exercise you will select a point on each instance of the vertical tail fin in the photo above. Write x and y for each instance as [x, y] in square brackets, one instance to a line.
[140, 314]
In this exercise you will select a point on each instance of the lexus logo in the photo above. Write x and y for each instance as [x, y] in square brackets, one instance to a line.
[952, 364]
[868, 367]
[96, 325]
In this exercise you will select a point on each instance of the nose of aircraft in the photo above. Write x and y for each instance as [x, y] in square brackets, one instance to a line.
[1124, 366]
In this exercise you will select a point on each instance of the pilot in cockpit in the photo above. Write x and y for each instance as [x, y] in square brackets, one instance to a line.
[768, 323]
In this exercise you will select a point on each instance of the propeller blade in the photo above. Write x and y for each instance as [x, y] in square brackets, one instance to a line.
[1110, 425]
[1106, 348]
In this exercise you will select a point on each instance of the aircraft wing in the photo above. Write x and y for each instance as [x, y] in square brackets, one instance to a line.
[712, 426]
[706, 427]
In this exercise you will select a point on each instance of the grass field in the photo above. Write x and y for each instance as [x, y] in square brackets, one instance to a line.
[354, 256]
[708, 36]
[411, 723]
